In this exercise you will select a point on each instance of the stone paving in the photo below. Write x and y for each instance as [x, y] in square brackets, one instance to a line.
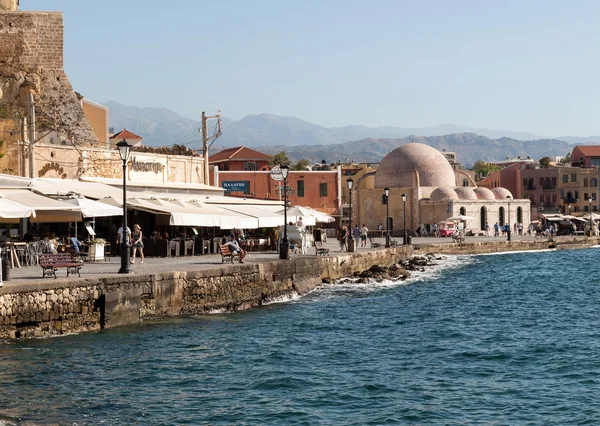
[33, 274]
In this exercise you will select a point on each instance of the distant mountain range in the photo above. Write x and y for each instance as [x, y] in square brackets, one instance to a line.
[301, 139]
[469, 148]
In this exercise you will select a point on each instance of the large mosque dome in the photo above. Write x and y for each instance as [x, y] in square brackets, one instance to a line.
[414, 164]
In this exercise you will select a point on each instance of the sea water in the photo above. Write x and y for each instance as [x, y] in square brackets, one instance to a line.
[497, 339]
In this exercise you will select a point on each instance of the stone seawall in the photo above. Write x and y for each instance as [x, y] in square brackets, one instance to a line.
[76, 305]
[483, 247]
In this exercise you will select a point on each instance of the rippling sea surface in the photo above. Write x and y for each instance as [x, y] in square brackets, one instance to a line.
[497, 339]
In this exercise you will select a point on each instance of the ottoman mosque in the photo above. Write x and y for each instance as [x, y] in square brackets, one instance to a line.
[434, 192]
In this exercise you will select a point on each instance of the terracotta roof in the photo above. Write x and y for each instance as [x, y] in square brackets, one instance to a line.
[589, 150]
[238, 153]
[125, 134]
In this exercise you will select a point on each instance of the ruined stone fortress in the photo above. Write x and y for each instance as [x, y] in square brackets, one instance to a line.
[70, 142]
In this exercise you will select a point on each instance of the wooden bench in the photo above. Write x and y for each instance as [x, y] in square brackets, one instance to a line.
[374, 244]
[321, 251]
[50, 262]
[226, 254]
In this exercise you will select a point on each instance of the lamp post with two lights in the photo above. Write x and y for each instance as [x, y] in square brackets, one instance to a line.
[284, 248]
[508, 231]
[386, 191]
[351, 241]
[404, 239]
[124, 150]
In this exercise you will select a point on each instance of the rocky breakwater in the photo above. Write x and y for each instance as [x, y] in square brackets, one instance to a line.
[396, 272]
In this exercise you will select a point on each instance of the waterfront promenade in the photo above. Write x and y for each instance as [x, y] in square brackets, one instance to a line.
[93, 270]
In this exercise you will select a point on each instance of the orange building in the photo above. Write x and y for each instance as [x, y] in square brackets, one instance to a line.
[319, 189]
[240, 158]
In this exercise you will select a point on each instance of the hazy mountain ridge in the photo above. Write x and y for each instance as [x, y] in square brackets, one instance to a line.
[469, 147]
[161, 126]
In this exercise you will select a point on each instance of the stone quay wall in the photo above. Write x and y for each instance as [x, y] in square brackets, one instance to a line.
[77, 305]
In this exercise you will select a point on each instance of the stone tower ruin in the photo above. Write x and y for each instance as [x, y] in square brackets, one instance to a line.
[9, 4]
[31, 62]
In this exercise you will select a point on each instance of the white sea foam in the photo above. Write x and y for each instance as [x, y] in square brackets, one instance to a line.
[429, 273]
[281, 299]
[513, 251]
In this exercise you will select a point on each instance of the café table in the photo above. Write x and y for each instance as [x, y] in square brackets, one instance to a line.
[13, 248]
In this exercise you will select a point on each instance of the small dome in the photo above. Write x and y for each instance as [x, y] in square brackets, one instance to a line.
[484, 194]
[501, 193]
[465, 193]
[443, 193]
[414, 164]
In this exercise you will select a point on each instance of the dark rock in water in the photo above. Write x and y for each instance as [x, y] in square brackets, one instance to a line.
[366, 274]
[377, 269]
[326, 280]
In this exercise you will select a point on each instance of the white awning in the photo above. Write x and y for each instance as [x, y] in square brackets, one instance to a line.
[91, 208]
[266, 219]
[46, 209]
[92, 190]
[12, 210]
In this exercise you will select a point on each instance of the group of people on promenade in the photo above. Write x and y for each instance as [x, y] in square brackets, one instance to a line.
[358, 234]
[135, 240]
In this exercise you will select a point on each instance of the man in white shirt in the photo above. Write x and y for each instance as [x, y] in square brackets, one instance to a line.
[300, 222]
[120, 232]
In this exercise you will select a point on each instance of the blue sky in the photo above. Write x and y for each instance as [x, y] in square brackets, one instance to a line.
[518, 65]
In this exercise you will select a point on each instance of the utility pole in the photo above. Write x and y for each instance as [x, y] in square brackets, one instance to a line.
[21, 150]
[31, 135]
[206, 139]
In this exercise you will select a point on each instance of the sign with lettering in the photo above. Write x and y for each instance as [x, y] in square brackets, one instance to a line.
[276, 174]
[237, 186]
[146, 167]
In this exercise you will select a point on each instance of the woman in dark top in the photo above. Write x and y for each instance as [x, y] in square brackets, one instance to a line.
[137, 245]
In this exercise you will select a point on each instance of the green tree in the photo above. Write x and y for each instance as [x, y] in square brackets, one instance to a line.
[544, 161]
[566, 159]
[301, 165]
[280, 158]
[483, 169]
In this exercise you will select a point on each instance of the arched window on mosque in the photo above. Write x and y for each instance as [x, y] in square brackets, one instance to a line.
[519, 215]
[465, 182]
[463, 211]
[501, 216]
[482, 218]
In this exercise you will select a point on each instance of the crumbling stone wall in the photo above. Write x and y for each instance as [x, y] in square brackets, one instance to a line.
[31, 62]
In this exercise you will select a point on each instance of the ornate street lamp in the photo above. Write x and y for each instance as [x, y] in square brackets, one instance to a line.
[404, 240]
[386, 191]
[351, 241]
[590, 200]
[124, 150]
[508, 232]
[284, 248]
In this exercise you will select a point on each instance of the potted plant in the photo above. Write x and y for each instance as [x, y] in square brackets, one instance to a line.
[97, 249]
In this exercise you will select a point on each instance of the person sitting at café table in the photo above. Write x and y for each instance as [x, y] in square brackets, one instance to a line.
[74, 243]
[300, 222]
[27, 238]
[52, 243]
[235, 248]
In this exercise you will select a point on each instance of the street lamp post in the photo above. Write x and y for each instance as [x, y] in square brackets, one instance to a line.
[351, 241]
[590, 200]
[404, 239]
[284, 248]
[387, 217]
[124, 150]
[508, 231]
